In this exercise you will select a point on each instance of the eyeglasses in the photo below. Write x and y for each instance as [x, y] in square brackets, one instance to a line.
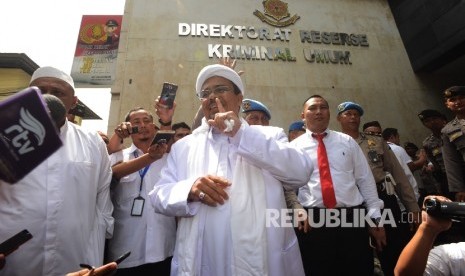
[219, 90]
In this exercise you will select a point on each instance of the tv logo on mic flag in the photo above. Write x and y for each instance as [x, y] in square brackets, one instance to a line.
[27, 134]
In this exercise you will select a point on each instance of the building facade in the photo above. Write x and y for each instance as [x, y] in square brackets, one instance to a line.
[16, 70]
[289, 50]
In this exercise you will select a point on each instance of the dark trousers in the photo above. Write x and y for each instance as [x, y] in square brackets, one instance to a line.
[335, 250]
[396, 237]
[160, 268]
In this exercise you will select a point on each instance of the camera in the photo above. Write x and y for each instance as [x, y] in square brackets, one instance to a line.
[135, 130]
[451, 210]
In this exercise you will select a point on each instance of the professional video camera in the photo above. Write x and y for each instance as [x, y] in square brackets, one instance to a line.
[442, 209]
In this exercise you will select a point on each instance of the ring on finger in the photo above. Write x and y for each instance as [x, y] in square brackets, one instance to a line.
[202, 195]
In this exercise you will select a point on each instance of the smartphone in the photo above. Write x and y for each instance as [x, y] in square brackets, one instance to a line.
[122, 257]
[163, 136]
[11, 244]
[168, 93]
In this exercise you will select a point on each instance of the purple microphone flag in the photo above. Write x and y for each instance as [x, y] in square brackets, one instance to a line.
[28, 134]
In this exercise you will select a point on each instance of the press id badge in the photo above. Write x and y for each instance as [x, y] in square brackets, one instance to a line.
[137, 206]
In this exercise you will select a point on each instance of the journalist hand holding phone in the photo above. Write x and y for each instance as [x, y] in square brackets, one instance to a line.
[165, 105]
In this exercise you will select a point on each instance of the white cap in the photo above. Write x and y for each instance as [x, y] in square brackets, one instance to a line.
[52, 72]
[219, 71]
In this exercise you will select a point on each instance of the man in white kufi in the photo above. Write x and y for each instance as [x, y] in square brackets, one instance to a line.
[222, 181]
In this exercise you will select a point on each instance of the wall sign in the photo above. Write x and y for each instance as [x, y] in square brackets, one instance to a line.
[278, 11]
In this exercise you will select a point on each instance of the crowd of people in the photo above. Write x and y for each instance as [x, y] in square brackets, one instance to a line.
[201, 202]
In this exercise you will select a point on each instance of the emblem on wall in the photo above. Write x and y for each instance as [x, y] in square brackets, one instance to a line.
[275, 12]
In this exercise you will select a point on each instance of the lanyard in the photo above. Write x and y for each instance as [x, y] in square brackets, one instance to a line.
[142, 172]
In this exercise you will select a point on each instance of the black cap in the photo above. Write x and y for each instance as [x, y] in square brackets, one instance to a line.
[430, 113]
[454, 91]
[112, 23]
[410, 145]
[370, 124]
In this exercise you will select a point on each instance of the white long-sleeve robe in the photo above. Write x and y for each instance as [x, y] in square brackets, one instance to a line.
[65, 204]
[262, 147]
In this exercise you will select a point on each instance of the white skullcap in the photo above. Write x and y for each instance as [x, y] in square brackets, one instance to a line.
[219, 71]
[52, 72]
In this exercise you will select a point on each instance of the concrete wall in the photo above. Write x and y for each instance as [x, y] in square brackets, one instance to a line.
[379, 77]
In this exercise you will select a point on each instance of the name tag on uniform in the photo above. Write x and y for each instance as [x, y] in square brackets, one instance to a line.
[137, 206]
[454, 135]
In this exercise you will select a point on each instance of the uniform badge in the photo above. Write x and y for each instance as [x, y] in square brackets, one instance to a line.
[454, 135]
[373, 156]
[436, 151]
[371, 143]
[277, 10]
[246, 105]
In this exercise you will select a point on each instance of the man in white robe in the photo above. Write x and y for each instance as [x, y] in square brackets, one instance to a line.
[222, 181]
[64, 202]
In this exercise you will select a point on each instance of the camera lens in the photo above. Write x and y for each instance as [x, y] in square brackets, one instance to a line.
[430, 203]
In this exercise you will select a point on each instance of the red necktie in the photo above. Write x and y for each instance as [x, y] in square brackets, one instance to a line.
[327, 189]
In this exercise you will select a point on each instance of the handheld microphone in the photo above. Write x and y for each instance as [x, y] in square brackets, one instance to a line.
[57, 109]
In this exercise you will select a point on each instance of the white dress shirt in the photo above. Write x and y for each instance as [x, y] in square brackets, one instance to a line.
[149, 237]
[352, 178]
[65, 204]
[404, 159]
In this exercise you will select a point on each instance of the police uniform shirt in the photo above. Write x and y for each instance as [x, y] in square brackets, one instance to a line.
[433, 148]
[453, 151]
[386, 161]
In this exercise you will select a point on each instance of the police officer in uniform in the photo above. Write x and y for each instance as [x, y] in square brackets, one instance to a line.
[382, 160]
[296, 129]
[453, 137]
[435, 121]
[255, 112]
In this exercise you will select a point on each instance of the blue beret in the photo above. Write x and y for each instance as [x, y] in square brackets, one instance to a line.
[297, 125]
[349, 105]
[252, 105]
